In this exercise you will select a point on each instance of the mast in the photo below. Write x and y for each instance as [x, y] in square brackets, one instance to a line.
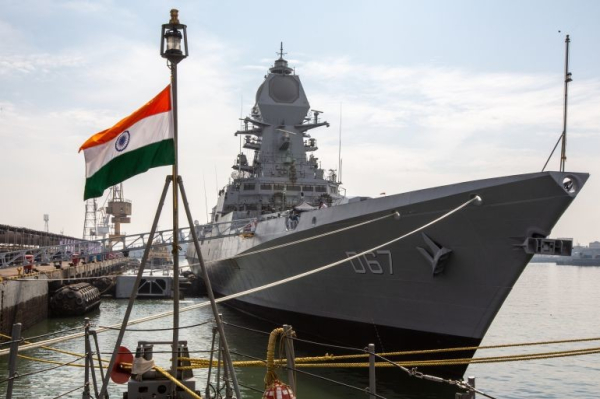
[563, 152]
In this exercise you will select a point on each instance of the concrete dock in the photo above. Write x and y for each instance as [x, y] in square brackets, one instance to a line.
[24, 297]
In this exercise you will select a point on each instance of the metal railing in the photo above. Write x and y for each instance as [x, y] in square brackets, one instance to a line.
[109, 248]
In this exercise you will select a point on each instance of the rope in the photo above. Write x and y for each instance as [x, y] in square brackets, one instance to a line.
[313, 375]
[51, 333]
[37, 359]
[4, 352]
[49, 348]
[69, 278]
[40, 371]
[304, 362]
[246, 328]
[462, 349]
[177, 382]
[71, 391]
[271, 376]
[310, 238]
[159, 329]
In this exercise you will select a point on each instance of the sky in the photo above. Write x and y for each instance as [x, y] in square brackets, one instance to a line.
[425, 93]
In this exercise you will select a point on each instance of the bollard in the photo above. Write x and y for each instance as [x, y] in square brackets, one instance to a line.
[467, 395]
[291, 357]
[372, 382]
[12, 360]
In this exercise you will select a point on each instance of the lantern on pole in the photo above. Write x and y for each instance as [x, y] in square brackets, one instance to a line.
[171, 37]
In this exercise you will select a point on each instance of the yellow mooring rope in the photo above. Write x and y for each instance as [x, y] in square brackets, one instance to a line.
[271, 376]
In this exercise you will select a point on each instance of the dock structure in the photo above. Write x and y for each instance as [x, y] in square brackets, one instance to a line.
[13, 238]
[24, 296]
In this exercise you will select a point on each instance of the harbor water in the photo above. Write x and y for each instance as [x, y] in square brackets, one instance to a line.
[549, 302]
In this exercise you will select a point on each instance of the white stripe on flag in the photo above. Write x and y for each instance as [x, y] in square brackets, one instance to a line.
[150, 130]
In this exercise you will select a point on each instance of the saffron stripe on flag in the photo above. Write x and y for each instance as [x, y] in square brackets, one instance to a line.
[160, 103]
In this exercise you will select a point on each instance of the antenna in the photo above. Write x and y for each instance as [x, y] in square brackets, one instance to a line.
[563, 136]
[316, 115]
[281, 53]
[568, 78]
[340, 148]
[205, 199]
[241, 114]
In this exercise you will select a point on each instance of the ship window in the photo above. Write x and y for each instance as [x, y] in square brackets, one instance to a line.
[321, 189]
[308, 188]
[278, 187]
[293, 188]
[249, 186]
[265, 187]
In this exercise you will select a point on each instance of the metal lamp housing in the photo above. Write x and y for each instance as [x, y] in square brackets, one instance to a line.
[170, 45]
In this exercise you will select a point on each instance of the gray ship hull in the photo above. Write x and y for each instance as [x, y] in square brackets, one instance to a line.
[393, 297]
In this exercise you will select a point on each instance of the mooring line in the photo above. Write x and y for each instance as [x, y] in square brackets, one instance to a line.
[312, 237]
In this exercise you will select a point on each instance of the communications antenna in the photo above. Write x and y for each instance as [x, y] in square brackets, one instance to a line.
[568, 78]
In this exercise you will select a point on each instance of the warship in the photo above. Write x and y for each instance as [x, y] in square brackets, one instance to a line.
[282, 215]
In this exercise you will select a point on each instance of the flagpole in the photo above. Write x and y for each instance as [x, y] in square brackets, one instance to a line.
[175, 228]
[171, 34]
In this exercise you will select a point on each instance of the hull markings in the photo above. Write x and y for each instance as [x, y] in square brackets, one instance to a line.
[377, 262]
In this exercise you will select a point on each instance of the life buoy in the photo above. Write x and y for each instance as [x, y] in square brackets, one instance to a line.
[278, 390]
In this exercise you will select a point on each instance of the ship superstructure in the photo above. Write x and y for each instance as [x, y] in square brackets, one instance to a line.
[284, 171]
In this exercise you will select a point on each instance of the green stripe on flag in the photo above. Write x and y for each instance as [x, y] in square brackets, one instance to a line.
[128, 165]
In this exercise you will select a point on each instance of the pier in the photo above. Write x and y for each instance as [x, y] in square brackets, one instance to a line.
[13, 238]
[24, 297]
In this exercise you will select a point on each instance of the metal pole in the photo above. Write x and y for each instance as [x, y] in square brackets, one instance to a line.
[563, 153]
[228, 393]
[218, 375]
[12, 360]
[92, 367]
[209, 290]
[86, 386]
[174, 360]
[95, 335]
[212, 353]
[290, 357]
[136, 285]
[372, 382]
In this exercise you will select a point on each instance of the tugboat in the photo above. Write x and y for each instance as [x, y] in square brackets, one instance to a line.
[439, 287]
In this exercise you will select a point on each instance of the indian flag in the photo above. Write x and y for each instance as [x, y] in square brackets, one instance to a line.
[141, 141]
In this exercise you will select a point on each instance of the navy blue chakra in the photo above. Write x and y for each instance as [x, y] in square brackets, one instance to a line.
[122, 141]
